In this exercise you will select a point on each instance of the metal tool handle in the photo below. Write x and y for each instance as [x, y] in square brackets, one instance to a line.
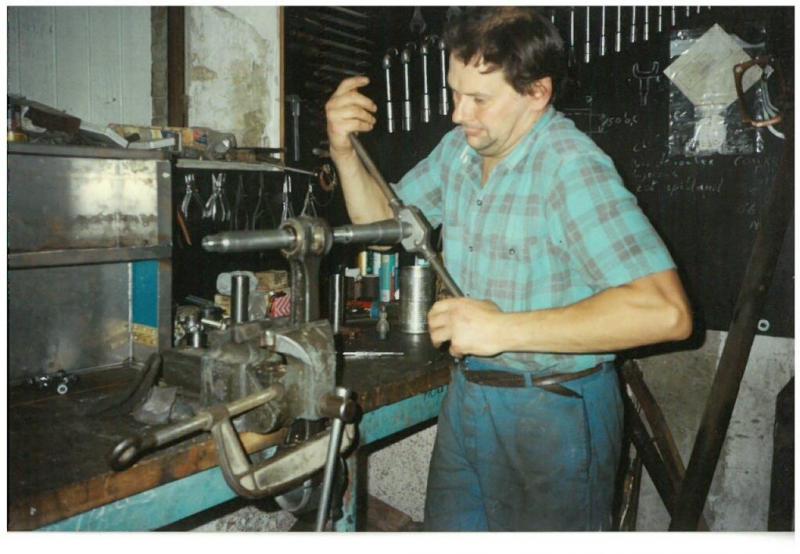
[412, 217]
[130, 449]
[386, 232]
[345, 411]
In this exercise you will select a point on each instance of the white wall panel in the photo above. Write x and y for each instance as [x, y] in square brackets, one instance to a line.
[136, 76]
[93, 62]
[105, 84]
[12, 52]
[72, 55]
[36, 54]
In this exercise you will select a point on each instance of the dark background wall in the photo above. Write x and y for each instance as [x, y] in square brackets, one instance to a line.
[705, 207]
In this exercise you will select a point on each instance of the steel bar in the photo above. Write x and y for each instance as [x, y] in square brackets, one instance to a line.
[385, 232]
[337, 428]
[388, 192]
[249, 241]
[774, 219]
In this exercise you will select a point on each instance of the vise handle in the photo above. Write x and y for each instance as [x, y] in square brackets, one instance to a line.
[125, 453]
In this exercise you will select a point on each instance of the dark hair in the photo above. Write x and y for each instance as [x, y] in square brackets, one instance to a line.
[518, 40]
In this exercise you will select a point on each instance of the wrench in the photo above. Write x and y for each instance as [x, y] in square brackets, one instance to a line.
[418, 241]
[571, 53]
[386, 64]
[602, 31]
[444, 97]
[587, 47]
[644, 80]
[424, 50]
[405, 59]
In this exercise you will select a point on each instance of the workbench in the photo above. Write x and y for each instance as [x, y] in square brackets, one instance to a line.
[58, 478]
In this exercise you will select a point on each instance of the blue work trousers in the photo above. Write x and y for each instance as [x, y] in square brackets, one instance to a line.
[525, 459]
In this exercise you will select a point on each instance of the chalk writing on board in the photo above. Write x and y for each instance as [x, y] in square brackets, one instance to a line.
[610, 121]
[693, 185]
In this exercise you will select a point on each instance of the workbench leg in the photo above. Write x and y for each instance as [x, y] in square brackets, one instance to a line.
[349, 520]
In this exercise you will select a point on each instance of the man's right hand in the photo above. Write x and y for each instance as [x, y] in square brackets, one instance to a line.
[348, 111]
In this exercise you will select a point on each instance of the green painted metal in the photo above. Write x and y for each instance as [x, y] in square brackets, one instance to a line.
[391, 419]
[174, 501]
[154, 508]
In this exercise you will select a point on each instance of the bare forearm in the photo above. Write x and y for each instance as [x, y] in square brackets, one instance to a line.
[616, 319]
[650, 310]
[362, 195]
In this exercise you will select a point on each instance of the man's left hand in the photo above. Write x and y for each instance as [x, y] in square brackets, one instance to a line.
[468, 324]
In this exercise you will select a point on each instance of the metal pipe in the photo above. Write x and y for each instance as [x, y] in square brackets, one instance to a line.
[249, 241]
[618, 34]
[633, 24]
[336, 303]
[240, 298]
[385, 232]
[774, 218]
[388, 192]
[337, 427]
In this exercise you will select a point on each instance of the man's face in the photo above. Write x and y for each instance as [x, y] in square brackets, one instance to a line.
[493, 116]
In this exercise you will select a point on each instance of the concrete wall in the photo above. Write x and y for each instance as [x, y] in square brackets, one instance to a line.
[233, 72]
[93, 62]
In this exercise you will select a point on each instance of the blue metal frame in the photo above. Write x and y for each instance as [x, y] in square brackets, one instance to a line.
[179, 499]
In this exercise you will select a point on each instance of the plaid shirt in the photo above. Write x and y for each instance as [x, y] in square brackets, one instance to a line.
[552, 226]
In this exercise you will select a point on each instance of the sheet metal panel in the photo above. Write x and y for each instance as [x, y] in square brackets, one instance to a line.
[69, 318]
[60, 203]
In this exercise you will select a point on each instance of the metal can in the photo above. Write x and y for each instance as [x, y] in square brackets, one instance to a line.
[416, 298]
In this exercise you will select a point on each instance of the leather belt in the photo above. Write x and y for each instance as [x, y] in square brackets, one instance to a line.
[550, 383]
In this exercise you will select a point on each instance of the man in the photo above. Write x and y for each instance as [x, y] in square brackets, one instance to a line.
[559, 267]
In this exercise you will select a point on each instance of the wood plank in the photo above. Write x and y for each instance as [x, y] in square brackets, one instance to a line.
[137, 105]
[36, 61]
[72, 60]
[186, 459]
[104, 62]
